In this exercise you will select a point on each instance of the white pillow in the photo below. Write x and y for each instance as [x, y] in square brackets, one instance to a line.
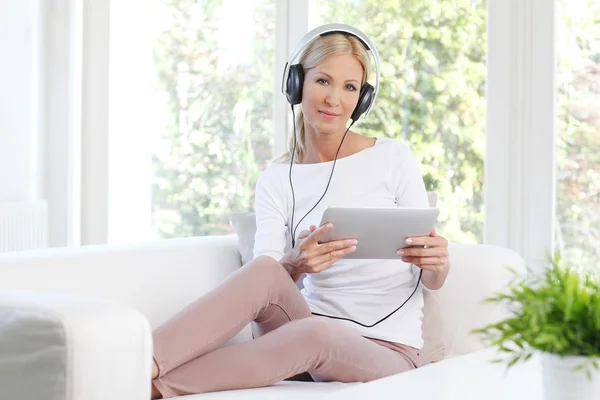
[244, 224]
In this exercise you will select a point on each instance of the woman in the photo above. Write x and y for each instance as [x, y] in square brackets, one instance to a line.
[188, 353]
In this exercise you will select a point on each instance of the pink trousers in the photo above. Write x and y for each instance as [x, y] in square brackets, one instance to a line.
[191, 358]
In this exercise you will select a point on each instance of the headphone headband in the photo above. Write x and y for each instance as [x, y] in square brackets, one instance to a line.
[332, 28]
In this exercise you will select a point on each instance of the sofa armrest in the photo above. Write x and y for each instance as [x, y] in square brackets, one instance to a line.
[61, 347]
[157, 278]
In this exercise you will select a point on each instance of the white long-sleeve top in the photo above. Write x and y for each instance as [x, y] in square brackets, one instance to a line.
[384, 175]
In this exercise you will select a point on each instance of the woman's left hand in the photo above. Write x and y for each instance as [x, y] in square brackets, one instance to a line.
[434, 257]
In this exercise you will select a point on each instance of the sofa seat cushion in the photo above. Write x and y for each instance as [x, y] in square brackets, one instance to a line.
[283, 390]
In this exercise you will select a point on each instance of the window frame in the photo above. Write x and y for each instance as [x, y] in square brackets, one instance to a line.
[519, 180]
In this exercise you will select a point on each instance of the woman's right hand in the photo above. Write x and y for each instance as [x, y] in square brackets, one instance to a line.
[310, 257]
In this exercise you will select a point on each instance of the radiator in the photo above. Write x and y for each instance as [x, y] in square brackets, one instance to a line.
[23, 225]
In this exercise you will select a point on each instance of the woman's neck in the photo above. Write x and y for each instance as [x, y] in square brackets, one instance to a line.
[322, 147]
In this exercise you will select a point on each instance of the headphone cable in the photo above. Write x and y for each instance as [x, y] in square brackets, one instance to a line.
[382, 319]
[293, 231]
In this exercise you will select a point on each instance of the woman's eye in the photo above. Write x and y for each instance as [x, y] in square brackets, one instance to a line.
[322, 81]
[350, 87]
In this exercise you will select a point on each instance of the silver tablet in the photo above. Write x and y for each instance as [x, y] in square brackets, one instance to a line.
[380, 232]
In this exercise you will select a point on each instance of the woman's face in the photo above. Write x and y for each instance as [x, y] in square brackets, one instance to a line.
[330, 93]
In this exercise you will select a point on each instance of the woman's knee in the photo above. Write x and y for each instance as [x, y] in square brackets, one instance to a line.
[268, 267]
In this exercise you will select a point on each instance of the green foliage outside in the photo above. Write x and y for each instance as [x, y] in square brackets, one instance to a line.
[578, 132]
[432, 96]
[220, 130]
[557, 312]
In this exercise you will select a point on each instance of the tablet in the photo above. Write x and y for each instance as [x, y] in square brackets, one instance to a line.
[380, 232]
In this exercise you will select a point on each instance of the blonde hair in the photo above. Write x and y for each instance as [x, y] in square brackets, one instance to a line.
[314, 54]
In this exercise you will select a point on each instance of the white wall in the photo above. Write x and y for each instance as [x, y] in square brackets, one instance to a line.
[20, 96]
[40, 103]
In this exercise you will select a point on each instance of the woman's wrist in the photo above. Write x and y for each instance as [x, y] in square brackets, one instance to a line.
[289, 267]
[434, 280]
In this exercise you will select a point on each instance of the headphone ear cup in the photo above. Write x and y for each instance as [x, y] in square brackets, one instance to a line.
[295, 81]
[364, 101]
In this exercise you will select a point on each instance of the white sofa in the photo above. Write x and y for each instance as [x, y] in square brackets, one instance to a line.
[75, 323]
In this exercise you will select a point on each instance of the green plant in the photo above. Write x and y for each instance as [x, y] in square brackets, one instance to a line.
[557, 312]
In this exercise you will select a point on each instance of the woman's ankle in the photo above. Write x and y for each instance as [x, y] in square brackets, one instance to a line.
[155, 393]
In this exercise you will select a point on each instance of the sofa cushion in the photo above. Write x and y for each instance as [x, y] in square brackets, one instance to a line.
[281, 390]
[477, 271]
[433, 349]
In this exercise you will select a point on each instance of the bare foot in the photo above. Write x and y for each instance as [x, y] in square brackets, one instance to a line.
[154, 369]
[155, 393]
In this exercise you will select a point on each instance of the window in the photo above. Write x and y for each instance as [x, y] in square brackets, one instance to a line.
[194, 117]
[577, 223]
[191, 105]
[432, 94]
